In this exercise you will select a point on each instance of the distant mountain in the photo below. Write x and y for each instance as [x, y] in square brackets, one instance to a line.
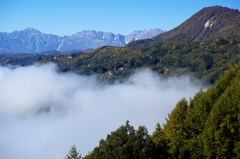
[208, 23]
[143, 34]
[33, 41]
[90, 39]
[28, 41]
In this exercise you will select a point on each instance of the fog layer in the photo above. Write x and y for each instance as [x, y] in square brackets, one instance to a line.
[43, 112]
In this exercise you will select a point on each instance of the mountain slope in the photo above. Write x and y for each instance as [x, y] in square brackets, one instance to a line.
[206, 59]
[208, 23]
[205, 127]
[208, 127]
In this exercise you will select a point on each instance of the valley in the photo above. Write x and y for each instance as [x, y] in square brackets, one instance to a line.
[185, 81]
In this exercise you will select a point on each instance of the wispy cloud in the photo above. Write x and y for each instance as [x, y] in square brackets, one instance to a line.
[43, 112]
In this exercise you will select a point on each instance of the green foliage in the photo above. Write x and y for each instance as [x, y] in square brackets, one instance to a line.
[205, 60]
[124, 143]
[159, 144]
[73, 154]
[175, 130]
[28, 59]
[208, 126]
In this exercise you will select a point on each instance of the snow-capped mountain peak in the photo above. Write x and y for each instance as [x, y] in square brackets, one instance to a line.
[143, 34]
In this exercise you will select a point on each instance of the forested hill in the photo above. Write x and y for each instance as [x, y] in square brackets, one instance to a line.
[206, 127]
[24, 59]
[206, 60]
[208, 23]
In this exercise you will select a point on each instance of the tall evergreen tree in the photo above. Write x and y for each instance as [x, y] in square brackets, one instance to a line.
[73, 153]
[175, 129]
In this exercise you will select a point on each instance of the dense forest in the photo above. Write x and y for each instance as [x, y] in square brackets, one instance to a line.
[205, 60]
[207, 126]
[24, 59]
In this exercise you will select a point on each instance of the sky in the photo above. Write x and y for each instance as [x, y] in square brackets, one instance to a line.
[67, 17]
[43, 112]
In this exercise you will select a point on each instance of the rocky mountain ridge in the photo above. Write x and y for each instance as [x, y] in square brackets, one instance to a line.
[33, 41]
[143, 34]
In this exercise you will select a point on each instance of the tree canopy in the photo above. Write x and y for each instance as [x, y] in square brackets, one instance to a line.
[207, 126]
[73, 153]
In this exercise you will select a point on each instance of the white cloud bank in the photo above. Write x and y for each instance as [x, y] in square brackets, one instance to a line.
[43, 112]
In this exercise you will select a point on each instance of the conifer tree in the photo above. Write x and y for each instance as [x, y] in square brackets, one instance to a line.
[175, 129]
[73, 154]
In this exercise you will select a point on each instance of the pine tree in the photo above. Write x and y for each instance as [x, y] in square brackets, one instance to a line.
[175, 129]
[73, 154]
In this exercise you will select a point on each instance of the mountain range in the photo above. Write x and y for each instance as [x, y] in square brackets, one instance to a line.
[33, 41]
[203, 46]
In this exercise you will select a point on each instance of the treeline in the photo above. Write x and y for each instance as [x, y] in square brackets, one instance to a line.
[205, 60]
[208, 126]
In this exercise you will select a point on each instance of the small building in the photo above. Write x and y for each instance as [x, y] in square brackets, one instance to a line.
[121, 68]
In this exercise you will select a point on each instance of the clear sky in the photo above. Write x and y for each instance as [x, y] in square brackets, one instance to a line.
[67, 17]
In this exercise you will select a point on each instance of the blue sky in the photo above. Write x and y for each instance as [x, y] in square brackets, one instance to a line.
[67, 17]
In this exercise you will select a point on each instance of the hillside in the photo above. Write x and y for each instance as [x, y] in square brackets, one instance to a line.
[205, 60]
[205, 127]
[208, 23]
[29, 59]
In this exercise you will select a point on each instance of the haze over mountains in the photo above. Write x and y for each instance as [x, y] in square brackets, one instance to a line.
[33, 41]
[47, 110]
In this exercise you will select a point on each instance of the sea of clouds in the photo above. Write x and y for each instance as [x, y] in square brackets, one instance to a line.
[44, 112]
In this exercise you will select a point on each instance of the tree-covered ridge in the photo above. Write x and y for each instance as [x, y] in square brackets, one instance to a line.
[24, 59]
[99, 60]
[206, 59]
[208, 126]
[208, 23]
